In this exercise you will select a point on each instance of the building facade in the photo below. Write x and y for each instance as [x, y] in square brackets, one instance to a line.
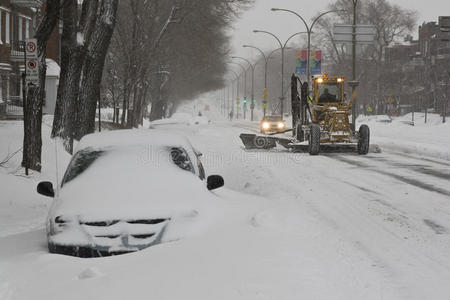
[419, 70]
[18, 22]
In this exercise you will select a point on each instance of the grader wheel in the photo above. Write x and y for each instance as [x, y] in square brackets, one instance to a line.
[364, 139]
[314, 140]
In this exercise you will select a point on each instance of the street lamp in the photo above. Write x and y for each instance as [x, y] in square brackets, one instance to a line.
[266, 62]
[282, 47]
[237, 94]
[309, 31]
[252, 66]
[244, 71]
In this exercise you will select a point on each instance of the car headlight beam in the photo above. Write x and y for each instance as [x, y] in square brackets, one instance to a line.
[265, 125]
[281, 125]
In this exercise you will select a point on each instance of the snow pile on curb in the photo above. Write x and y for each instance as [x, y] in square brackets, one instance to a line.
[402, 134]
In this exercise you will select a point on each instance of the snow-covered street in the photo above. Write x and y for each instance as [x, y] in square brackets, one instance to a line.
[287, 226]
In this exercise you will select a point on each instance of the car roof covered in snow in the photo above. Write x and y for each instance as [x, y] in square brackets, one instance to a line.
[132, 137]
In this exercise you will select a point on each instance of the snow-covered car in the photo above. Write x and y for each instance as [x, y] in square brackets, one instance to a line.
[272, 124]
[127, 190]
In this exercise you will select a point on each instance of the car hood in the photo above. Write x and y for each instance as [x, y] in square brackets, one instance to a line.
[115, 189]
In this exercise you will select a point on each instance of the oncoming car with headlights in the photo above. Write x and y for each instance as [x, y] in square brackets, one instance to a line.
[127, 190]
[272, 124]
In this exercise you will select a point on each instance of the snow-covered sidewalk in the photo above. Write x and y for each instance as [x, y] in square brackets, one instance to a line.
[431, 139]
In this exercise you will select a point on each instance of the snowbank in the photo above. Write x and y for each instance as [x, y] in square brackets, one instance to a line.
[402, 134]
[18, 198]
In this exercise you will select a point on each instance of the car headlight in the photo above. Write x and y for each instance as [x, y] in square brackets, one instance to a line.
[281, 125]
[265, 125]
[57, 225]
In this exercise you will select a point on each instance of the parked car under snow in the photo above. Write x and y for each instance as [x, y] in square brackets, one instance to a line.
[124, 191]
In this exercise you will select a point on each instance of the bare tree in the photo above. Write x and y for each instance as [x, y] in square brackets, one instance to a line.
[77, 26]
[32, 114]
[86, 37]
[96, 50]
[392, 24]
[176, 52]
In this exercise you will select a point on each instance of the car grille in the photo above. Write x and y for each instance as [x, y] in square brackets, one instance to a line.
[112, 237]
[133, 233]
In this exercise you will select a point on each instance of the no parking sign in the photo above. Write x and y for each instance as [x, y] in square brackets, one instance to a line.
[32, 71]
[31, 48]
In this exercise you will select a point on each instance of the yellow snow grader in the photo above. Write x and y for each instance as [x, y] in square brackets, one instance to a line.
[321, 119]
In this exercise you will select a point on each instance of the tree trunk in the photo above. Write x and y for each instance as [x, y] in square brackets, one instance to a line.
[93, 67]
[157, 111]
[32, 121]
[138, 108]
[73, 49]
[63, 121]
[124, 103]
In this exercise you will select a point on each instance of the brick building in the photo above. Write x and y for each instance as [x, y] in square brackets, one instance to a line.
[434, 45]
[18, 21]
[419, 70]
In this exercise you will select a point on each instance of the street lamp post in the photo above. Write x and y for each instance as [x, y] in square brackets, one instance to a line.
[266, 61]
[237, 94]
[244, 71]
[282, 47]
[252, 66]
[309, 31]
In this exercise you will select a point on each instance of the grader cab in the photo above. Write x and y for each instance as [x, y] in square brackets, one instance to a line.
[322, 119]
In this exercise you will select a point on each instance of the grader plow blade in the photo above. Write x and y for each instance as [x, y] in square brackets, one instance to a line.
[253, 141]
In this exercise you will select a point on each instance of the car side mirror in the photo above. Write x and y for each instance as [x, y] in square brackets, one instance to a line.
[46, 188]
[214, 182]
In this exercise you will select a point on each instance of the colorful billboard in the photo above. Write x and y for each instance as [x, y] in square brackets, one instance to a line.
[315, 62]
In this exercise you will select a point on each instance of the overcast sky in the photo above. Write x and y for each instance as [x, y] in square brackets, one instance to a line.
[284, 24]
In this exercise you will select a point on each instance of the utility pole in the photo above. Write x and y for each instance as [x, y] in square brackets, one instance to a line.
[24, 95]
[354, 85]
[99, 116]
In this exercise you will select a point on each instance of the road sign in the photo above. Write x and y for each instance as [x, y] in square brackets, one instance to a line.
[31, 48]
[343, 33]
[315, 61]
[444, 29]
[32, 71]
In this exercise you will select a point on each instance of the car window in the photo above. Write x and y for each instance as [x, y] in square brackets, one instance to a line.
[80, 162]
[181, 159]
[201, 170]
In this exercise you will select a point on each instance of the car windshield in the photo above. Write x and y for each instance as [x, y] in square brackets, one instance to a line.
[181, 159]
[272, 118]
[82, 160]
[329, 92]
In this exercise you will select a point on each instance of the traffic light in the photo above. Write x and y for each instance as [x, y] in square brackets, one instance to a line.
[245, 100]
[266, 94]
